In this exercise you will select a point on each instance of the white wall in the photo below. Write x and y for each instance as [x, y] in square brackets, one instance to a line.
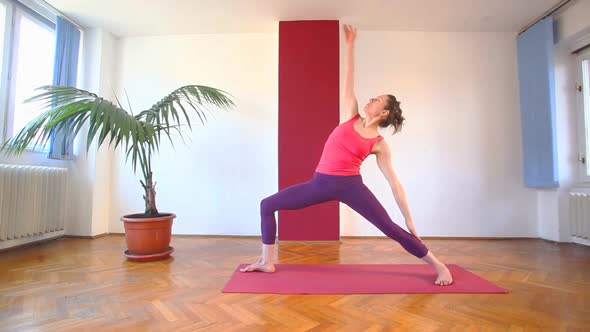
[215, 182]
[572, 19]
[104, 156]
[89, 202]
[553, 204]
[459, 155]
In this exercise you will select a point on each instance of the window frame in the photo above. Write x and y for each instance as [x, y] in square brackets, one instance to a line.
[5, 68]
[583, 131]
[14, 11]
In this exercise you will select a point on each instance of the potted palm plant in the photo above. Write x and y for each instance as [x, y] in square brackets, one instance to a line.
[66, 108]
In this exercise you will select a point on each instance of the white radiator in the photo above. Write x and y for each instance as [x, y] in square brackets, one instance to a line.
[32, 202]
[580, 214]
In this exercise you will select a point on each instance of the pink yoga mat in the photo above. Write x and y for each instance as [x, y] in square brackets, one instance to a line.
[355, 279]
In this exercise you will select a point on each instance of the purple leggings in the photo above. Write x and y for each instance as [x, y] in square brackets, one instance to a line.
[349, 190]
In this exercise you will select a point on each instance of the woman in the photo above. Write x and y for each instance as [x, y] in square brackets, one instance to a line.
[337, 176]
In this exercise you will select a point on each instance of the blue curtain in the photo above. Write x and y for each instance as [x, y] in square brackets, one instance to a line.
[65, 72]
[537, 105]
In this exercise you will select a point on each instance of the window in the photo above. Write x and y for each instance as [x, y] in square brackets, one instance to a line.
[584, 107]
[30, 41]
[2, 24]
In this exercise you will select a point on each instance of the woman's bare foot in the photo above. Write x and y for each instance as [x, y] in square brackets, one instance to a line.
[259, 266]
[265, 262]
[444, 276]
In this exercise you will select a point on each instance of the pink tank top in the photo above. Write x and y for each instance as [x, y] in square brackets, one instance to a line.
[345, 150]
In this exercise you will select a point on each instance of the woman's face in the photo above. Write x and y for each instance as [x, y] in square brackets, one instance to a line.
[376, 106]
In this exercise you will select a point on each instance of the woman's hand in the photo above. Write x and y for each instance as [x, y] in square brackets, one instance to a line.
[349, 34]
[410, 225]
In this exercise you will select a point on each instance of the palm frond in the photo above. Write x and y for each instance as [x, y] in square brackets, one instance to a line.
[199, 98]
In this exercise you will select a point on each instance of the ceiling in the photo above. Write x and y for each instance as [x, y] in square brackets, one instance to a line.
[163, 17]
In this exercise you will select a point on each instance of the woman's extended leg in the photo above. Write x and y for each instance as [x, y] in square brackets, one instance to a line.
[362, 200]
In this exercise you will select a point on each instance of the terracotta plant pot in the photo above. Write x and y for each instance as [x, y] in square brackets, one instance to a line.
[148, 238]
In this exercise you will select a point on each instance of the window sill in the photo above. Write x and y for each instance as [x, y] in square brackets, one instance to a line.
[37, 151]
[581, 187]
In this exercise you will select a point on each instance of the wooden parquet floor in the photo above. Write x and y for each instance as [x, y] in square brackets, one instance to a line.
[75, 284]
